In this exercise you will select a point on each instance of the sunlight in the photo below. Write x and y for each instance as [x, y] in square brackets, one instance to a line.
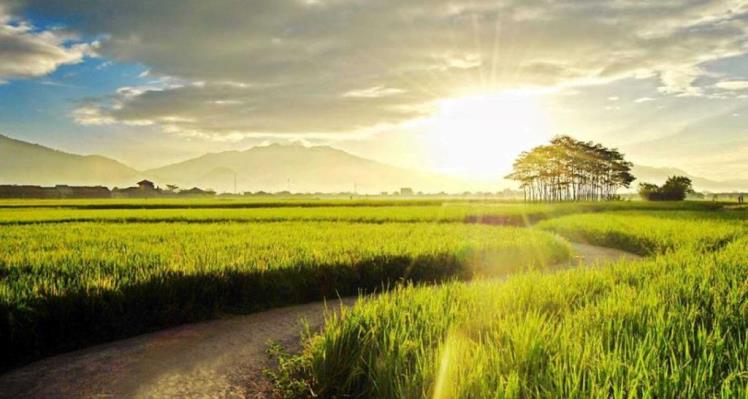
[479, 136]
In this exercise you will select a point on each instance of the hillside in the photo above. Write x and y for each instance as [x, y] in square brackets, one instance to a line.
[27, 163]
[271, 168]
[297, 168]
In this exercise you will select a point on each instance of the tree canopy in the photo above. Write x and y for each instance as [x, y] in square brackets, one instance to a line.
[571, 170]
[675, 189]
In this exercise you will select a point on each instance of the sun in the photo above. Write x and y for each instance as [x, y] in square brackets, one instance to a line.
[479, 136]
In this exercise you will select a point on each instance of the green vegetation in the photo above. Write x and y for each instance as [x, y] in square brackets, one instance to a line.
[302, 201]
[68, 285]
[673, 326]
[206, 211]
[651, 232]
[571, 170]
[676, 188]
[73, 273]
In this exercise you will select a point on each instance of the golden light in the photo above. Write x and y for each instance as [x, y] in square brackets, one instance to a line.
[479, 136]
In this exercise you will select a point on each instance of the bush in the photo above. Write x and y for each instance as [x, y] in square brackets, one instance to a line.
[675, 189]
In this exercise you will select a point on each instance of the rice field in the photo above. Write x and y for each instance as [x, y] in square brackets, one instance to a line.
[649, 233]
[671, 326]
[74, 273]
[371, 211]
[68, 285]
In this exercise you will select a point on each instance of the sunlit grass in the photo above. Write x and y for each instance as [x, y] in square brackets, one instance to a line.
[511, 213]
[65, 285]
[671, 326]
[647, 233]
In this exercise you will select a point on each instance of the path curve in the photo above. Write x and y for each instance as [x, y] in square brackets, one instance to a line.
[214, 359]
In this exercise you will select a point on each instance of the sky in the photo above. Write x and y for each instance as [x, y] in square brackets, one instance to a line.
[457, 87]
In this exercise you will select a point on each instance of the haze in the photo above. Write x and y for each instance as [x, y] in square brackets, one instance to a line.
[454, 87]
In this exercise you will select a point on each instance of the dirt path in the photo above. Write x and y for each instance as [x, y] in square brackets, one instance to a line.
[214, 359]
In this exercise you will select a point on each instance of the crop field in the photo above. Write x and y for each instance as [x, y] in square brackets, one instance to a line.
[74, 273]
[371, 211]
[67, 285]
[672, 325]
[649, 233]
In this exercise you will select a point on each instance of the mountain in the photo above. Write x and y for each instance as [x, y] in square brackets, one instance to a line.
[297, 168]
[26, 163]
[649, 174]
[271, 168]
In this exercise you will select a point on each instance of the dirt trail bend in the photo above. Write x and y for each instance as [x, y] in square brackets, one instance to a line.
[214, 359]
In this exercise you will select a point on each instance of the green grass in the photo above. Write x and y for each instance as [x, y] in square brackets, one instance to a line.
[648, 233]
[205, 211]
[305, 201]
[312, 202]
[77, 272]
[65, 286]
[672, 326]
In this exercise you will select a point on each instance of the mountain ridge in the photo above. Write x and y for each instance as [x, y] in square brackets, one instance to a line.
[275, 167]
[22, 162]
[298, 168]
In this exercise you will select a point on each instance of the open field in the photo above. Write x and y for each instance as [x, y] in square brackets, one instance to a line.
[671, 326]
[224, 357]
[649, 233]
[75, 273]
[314, 202]
[371, 211]
[67, 285]
[505, 199]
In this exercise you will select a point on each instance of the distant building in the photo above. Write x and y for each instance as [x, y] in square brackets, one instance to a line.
[406, 191]
[146, 185]
[144, 189]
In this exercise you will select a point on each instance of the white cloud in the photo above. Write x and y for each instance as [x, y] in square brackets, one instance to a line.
[643, 100]
[733, 85]
[681, 80]
[91, 115]
[26, 52]
[374, 92]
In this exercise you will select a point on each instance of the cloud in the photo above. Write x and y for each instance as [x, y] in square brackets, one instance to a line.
[339, 66]
[733, 85]
[374, 92]
[26, 52]
[210, 110]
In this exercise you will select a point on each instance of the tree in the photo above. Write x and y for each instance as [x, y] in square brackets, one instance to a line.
[570, 170]
[649, 191]
[172, 188]
[676, 188]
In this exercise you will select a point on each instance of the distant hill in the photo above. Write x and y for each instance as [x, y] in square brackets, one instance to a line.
[649, 174]
[26, 163]
[280, 167]
[271, 168]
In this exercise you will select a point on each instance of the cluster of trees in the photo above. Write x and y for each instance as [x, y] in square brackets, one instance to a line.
[571, 170]
[676, 188]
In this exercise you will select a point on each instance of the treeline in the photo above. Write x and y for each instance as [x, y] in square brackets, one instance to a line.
[676, 188]
[571, 170]
[10, 191]
[59, 191]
